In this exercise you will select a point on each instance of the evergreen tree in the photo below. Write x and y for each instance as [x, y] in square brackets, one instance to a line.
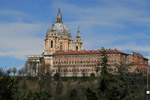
[73, 94]
[104, 81]
[59, 88]
[8, 87]
[24, 84]
[35, 95]
[57, 76]
[90, 95]
[45, 81]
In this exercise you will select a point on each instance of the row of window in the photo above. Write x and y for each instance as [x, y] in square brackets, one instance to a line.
[75, 62]
[74, 66]
[82, 55]
[85, 55]
[72, 62]
[74, 70]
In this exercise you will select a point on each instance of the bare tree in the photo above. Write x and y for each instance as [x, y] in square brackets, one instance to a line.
[26, 68]
[1, 72]
[65, 72]
[9, 71]
[60, 69]
[44, 77]
[14, 70]
[75, 72]
[22, 71]
[19, 72]
[84, 75]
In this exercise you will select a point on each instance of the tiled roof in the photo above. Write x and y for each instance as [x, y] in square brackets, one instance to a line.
[145, 58]
[89, 52]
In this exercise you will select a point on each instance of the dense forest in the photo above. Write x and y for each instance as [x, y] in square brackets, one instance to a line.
[107, 86]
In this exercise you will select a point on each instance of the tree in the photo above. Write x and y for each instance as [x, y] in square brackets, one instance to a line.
[8, 71]
[75, 73]
[2, 72]
[26, 68]
[104, 81]
[122, 86]
[36, 95]
[19, 72]
[73, 94]
[59, 91]
[65, 73]
[14, 70]
[59, 88]
[45, 81]
[104, 63]
[24, 84]
[90, 95]
[84, 76]
[48, 80]
[23, 71]
[123, 70]
[56, 76]
[92, 76]
[8, 87]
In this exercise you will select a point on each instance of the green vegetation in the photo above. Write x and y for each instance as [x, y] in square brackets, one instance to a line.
[107, 86]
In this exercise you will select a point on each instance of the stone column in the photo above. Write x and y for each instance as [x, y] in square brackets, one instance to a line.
[37, 68]
[66, 45]
[54, 45]
[51, 69]
[48, 44]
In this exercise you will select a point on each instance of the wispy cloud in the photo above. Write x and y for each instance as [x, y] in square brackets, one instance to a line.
[106, 24]
[12, 15]
[133, 47]
[20, 39]
[113, 15]
[99, 22]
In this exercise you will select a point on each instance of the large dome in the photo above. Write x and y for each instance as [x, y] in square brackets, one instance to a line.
[59, 29]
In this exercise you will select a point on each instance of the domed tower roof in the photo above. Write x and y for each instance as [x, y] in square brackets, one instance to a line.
[58, 27]
[78, 34]
[59, 17]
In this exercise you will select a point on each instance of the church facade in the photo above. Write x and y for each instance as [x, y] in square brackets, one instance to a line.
[66, 56]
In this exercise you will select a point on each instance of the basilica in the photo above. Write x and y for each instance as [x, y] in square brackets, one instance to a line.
[66, 56]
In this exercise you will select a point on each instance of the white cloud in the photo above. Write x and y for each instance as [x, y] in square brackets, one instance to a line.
[116, 14]
[133, 47]
[20, 39]
[13, 14]
[18, 29]
[112, 14]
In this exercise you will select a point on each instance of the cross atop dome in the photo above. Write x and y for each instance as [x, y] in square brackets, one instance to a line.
[59, 17]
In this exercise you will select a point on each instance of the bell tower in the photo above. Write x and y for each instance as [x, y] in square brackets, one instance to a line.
[51, 41]
[78, 43]
[58, 36]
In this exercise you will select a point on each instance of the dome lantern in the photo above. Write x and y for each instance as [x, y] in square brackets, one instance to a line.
[78, 33]
[59, 17]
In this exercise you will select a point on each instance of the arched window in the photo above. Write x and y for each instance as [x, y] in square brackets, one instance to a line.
[51, 44]
[61, 46]
[76, 48]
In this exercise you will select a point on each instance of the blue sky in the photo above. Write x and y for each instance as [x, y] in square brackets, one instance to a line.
[121, 24]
